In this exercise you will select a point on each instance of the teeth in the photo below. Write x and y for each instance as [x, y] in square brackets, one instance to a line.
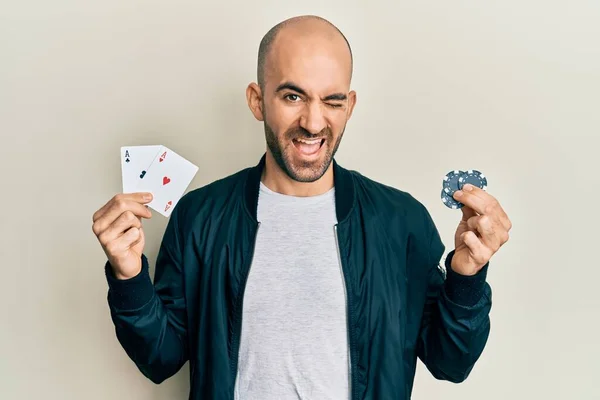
[309, 141]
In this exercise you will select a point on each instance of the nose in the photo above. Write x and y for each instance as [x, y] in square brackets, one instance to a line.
[313, 119]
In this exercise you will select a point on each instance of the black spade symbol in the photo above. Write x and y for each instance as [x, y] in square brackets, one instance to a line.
[142, 174]
[127, 160]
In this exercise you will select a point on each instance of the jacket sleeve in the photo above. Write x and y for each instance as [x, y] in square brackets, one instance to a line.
[455, 324]
[150, 320]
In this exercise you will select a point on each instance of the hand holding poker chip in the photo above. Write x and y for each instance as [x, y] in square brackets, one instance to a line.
[455, 181]
[484, 225]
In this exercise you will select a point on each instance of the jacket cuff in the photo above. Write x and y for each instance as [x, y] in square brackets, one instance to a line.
[132, 293]
[462, 289]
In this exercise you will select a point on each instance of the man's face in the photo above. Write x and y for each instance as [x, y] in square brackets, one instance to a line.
[306, 105]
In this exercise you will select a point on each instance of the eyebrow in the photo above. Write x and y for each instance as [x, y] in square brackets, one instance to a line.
[296, 88]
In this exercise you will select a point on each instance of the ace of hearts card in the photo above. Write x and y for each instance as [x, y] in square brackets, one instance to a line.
[167, 178]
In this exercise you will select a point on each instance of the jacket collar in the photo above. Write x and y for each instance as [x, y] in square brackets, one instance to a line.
[343, 182]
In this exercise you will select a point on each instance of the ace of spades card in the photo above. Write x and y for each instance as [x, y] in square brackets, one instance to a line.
[167, 178]
[135, 161]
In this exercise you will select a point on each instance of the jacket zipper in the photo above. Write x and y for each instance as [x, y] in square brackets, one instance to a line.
[348, 308]
[238, 317]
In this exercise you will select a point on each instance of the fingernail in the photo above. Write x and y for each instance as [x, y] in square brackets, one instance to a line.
[458, 193]
[148, 197]
[468, 187]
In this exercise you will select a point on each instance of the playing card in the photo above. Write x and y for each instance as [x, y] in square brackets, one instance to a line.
[167, 178]
[135, 161]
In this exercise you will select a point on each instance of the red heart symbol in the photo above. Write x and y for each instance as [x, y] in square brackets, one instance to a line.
[166, 180]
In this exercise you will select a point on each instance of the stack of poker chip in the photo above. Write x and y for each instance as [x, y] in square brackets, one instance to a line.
[455, 180]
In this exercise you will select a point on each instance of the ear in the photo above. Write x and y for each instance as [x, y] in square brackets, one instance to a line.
[254, 98]
[351, 103]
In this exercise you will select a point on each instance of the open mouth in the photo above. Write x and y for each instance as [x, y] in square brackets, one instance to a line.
[308, 147]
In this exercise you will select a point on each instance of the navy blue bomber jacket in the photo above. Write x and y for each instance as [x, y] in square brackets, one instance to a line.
[401, 305]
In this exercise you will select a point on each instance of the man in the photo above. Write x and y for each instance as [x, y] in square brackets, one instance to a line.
[297, 278]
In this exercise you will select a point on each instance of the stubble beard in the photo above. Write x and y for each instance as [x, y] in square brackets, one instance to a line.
[300, 171]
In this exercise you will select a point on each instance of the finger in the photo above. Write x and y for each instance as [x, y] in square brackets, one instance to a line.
[479, 252]
[503, 219]
[125, 222]
[476, 198]
[493, 206]
[477, 191]
[139, 239]
[128, 211]
[467, 212]
[131, 237]
[119, 199]
[119, 207]
[491, 203]
[486, 228]
[124, 242]
[141, 197]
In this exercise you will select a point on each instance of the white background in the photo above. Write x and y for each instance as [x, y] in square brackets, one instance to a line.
[510, 88]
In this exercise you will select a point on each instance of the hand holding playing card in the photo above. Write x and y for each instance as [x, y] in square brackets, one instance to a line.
[153, 176]
[118, 227]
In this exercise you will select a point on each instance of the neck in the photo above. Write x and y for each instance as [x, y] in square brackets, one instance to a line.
[278, 181]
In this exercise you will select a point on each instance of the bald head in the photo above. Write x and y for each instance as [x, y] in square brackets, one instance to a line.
[303, 94]
[293, 30]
